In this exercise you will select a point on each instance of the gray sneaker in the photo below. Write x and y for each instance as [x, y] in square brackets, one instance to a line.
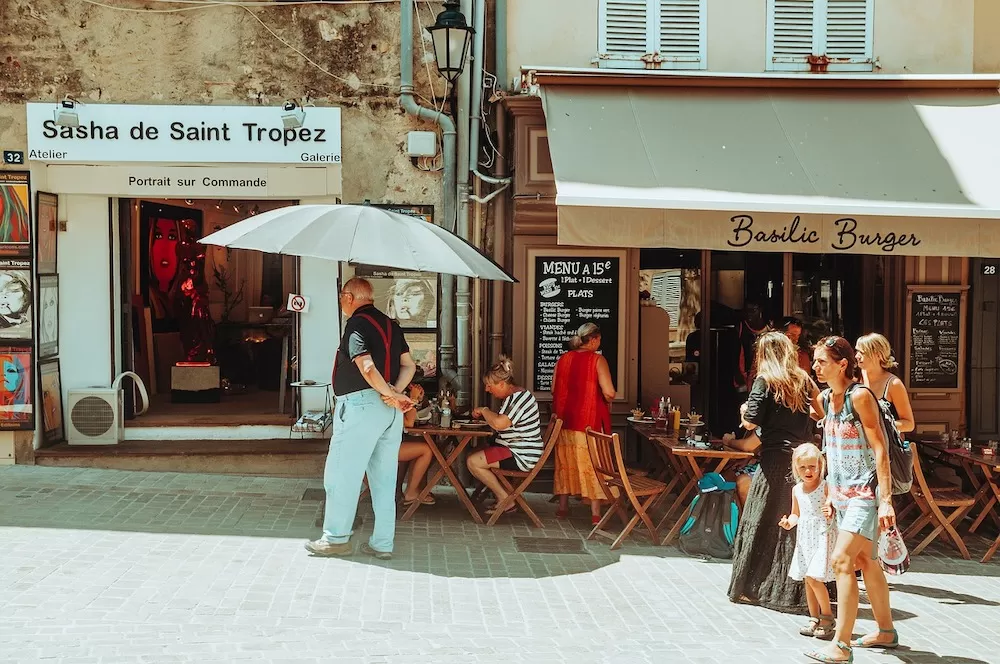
[378, 555]
[328, 549]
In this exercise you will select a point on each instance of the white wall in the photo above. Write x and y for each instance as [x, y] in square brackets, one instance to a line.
[85, 304]
[320, 327]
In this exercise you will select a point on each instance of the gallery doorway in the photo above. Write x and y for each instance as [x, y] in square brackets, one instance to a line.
[188, 303]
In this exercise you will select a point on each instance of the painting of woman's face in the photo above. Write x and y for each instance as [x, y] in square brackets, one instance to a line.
[163, 251]
[410, 301]
[12, 300]
[11, 376]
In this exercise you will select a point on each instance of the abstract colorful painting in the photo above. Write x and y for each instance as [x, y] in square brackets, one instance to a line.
[16, 395]
[15, 214]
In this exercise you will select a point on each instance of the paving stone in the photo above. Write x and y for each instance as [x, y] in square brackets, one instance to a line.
[117, 566]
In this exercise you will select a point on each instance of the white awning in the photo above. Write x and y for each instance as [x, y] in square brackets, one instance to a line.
[818, 171]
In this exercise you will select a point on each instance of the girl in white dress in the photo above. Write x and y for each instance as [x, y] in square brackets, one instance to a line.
[815, 538]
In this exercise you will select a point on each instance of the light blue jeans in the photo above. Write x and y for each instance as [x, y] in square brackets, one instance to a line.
[366, 438]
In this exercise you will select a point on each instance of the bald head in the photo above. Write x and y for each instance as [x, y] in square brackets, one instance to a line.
[360, 288]
[357, 292]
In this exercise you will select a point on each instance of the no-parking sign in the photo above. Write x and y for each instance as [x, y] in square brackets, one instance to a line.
[297, 304]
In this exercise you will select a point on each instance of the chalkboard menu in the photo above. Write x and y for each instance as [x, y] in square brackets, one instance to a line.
[570, 291]
[935, 340]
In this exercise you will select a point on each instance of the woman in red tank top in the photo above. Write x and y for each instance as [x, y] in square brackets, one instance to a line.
[582, 390]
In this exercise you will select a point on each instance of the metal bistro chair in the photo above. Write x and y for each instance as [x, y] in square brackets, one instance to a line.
[609, 463]
[515, 494]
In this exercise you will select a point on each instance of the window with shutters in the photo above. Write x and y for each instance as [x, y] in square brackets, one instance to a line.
[652, 34]
[819, 35]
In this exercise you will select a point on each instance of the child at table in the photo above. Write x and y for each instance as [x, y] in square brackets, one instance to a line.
[815, 538]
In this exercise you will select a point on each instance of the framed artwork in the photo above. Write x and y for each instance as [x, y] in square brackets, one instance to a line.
[16, 394]
[16, 299]
[15, 214]
[48, 316]
[50, 389]
[46, 232]
[408, 297]
[423, 348]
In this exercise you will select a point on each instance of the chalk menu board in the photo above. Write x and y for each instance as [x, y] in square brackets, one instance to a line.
[570, 291]
[935, 320]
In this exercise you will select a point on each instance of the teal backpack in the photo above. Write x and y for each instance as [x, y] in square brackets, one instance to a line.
[710, 527]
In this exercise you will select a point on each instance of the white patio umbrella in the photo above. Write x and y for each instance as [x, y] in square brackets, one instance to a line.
[359, 234]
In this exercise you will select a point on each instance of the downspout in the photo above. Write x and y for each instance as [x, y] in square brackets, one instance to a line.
[499, 290]
[446, 361]
[463, 305]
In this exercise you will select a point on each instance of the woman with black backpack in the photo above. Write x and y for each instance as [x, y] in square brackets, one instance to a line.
[861, 483]
[875, 361]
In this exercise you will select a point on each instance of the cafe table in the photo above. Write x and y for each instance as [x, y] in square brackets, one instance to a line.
[436, 438]
[689, 464]
[987, 489]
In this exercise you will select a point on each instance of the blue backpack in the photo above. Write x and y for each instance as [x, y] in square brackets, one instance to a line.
[710, 527]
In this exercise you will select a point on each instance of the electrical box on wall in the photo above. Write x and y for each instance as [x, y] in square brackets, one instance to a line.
[421, 144]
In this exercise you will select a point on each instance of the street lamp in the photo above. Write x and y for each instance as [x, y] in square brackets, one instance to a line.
[451, 35]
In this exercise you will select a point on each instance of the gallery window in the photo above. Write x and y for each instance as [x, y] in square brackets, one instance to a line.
[820, 35]
[652, 34]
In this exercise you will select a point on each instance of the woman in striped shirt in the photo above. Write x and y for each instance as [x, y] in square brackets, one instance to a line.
[519, 437]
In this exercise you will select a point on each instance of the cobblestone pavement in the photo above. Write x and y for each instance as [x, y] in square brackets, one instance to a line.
[103, 566]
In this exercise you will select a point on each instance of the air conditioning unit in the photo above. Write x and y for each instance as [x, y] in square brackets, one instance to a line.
[96, 414]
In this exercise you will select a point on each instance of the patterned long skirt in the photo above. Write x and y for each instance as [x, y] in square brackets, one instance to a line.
[575, 474]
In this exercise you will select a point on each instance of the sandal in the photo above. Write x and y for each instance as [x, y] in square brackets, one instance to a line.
[810, 629]
[860, 643]
[826, 628]
[562, 514]
[427, 500]
[493, 510]
[826, 659]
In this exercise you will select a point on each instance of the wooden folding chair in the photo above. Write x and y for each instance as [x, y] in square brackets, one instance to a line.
[933, 501]
[627, 488]
[515, 494]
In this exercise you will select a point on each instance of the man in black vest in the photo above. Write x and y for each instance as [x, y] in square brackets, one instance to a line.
[372, 367]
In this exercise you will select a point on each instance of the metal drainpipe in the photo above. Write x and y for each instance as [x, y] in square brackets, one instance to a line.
[463, 305]
[499, 289]
[446, 361]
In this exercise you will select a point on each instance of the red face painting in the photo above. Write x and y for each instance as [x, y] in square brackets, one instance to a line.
[163, 252]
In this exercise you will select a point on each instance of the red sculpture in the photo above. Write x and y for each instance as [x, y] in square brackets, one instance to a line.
[190, 297]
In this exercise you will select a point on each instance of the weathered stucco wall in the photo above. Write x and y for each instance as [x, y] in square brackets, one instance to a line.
[225, 55]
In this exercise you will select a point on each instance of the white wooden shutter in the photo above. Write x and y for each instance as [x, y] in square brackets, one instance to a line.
[681, 32]
[790, 30]
[836, 35]
[848, 31]
[624, 32]
[654, 34]
[667, 290]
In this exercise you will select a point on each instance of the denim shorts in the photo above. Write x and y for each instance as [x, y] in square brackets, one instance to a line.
[860, 518]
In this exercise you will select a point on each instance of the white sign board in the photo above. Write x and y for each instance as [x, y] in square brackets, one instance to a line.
[297, 304]
[184, 135]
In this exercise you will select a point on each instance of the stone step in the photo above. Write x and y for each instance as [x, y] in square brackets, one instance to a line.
[274, 458]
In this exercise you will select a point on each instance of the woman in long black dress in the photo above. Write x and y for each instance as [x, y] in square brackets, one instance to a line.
[779, 409]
